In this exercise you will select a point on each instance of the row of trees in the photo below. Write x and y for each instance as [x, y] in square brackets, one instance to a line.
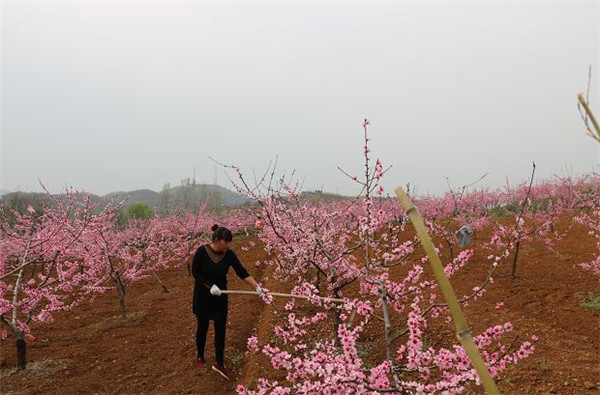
[362, 246]
[66, 249]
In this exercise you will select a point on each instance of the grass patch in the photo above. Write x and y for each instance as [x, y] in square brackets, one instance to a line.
[236, 357]
[37, 368]
[590, 302]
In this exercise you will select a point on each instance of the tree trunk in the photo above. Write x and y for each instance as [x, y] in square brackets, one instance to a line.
[122, 301]
[514, 264]
[387, 334]
[449, 242]
[33, 270]
[21, 352]
[318, 281]
[352, 317]
[337, 321]
[165, 290]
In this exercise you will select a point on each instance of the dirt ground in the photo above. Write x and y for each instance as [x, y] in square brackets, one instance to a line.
[92, 350]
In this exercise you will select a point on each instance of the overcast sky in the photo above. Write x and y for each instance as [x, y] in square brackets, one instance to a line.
[108, 96]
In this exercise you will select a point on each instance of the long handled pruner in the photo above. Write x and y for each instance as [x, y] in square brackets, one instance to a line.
[295, 296]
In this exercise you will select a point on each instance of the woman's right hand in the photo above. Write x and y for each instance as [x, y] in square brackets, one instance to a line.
[215, 290]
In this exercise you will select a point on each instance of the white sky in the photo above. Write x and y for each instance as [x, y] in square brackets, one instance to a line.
[109, 96]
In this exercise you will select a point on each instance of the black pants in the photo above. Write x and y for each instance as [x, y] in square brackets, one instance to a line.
[219, 317]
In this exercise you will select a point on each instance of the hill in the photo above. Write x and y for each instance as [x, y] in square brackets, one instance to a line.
[185, 194]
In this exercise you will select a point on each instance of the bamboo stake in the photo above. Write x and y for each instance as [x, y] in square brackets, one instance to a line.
[462, 329]
[591, 117]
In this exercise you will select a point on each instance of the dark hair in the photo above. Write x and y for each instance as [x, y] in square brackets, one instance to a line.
[221, 233]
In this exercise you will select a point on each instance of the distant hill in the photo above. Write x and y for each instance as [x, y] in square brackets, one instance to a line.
[199, 192]
[4, 192]
[146, 196]
[229, 198]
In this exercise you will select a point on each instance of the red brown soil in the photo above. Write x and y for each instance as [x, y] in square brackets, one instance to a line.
[91, 350]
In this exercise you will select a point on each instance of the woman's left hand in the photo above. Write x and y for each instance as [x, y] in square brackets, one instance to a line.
[261, 291]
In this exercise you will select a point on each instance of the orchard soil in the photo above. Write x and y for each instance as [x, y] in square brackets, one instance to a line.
[92, 350]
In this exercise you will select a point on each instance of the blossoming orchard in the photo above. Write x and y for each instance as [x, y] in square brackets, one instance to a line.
[354, 303]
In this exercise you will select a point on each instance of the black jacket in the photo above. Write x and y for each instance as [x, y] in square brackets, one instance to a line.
[209, 268]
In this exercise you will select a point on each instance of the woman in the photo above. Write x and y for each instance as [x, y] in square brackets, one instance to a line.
[258, 225]
[210, 266]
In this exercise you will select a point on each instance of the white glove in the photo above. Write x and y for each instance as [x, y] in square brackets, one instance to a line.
[261, 292]
[215, 290]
